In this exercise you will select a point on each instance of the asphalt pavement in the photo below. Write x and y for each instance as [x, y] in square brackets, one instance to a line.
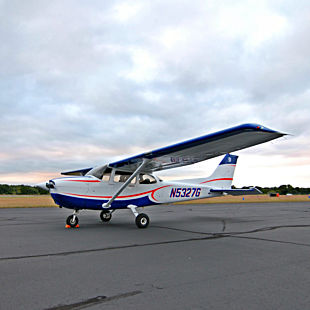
[202, 256]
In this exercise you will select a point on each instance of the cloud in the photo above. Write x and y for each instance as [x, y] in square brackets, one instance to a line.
[84, 83]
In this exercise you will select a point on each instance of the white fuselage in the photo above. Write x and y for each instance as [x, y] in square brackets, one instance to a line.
[89, 192]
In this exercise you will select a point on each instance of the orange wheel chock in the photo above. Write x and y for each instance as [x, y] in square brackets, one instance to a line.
[77, 226]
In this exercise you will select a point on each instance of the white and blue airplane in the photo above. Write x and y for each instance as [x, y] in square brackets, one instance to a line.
[130, 183]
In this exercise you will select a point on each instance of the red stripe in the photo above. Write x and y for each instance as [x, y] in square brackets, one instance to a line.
[127, 196]
[87, 181]
[222, 179]
[153, 192]
[88, 195]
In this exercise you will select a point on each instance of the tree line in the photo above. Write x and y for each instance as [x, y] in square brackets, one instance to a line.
[6, 189]
[284, 190]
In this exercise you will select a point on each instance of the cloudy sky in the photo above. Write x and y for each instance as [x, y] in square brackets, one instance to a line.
[83, 83]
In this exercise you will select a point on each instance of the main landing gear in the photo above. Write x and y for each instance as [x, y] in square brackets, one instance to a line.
[105, 215]
[142, 220]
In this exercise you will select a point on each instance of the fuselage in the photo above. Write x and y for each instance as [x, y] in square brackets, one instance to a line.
[89, 192]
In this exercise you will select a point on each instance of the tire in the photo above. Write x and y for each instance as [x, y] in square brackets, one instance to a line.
[71, 222]
[142, 220]
[105, 216]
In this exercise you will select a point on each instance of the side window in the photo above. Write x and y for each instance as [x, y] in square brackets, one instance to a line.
[122, 177]
[146, 179]
[106, 176]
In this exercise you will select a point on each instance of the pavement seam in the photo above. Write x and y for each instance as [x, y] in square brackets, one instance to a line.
[207, 236]
[272, 240]
[108, 248]
[93, 301]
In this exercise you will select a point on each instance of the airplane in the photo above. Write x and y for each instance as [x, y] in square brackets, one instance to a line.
[131, 184]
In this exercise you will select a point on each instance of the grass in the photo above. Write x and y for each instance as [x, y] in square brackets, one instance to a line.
[35, 201]
[26, 201]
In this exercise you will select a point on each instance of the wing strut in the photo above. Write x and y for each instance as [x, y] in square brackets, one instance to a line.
[107, 204]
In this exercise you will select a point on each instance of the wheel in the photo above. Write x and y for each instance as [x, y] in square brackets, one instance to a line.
[142, 220]
[105, 216]
[71, 221]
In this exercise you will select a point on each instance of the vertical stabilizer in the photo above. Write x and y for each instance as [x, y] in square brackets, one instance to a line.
[223, 175]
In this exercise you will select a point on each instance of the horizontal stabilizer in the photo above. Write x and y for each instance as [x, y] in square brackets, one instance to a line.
[237, 192]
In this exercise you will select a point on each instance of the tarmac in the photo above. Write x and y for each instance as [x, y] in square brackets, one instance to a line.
[202, 256]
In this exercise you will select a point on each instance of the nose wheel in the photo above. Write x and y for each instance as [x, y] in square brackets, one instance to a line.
[72, 220]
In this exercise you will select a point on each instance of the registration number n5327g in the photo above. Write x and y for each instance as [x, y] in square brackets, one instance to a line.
[185, 192]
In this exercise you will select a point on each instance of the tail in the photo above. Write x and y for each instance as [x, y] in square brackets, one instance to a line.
[222, 176]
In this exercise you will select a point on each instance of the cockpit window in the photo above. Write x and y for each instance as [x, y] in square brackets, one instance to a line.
[146, 179]
[122, 177]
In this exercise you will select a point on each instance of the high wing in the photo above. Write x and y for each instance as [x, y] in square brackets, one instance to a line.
[197, 149]
[201, 148]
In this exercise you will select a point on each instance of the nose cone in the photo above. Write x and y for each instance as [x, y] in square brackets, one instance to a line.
[43, 186]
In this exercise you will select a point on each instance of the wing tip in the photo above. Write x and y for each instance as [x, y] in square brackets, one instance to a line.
[259, 127]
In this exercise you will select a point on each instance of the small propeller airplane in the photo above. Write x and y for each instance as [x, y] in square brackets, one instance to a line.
[130, 183]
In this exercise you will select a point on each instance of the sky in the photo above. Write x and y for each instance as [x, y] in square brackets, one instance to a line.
[84, 83]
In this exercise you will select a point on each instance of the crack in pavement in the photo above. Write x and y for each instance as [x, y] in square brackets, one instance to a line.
[107, 248]
[206, 236]
[272, 240]
[232, 233]
[93, 301]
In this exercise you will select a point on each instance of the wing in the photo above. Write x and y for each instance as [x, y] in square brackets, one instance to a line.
[201, 148]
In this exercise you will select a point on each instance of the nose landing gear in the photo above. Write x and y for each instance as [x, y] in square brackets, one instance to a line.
[72, 220]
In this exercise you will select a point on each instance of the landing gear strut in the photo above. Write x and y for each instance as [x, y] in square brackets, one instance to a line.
[142, 220]
[73, 220]
[105, 215]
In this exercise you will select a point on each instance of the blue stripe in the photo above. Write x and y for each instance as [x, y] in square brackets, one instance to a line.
[94, 204]
[229, 159]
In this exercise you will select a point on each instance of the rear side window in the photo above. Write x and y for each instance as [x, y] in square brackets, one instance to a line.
[146, 179]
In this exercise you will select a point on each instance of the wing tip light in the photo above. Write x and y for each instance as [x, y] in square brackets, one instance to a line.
[258, 127]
